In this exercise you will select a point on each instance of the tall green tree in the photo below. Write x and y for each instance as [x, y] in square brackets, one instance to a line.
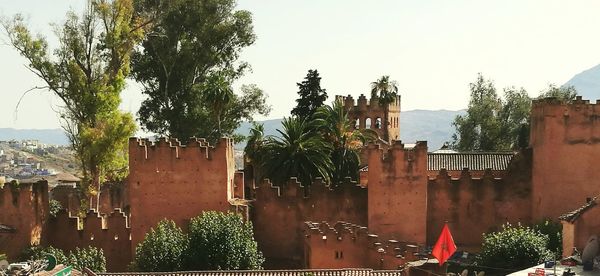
[346, 141]
[300, 152]
[187, 63]
[311, 95]
[221, 241]
[87, 72]
[492, 123]
[386, 91]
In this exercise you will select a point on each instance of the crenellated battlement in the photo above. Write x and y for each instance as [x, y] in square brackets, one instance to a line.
[294, 188]
[364, 104]
[556, 121]
[396, 158]
[145, 148]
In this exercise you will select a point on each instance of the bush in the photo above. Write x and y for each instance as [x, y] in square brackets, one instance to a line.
[89, 257]
[39, 253]
[161, 249]
[55, 207]
[222, 241]
[554, 232]
[514, 248]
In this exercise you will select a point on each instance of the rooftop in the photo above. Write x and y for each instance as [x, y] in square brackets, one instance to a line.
[575, 214]
[476, 161]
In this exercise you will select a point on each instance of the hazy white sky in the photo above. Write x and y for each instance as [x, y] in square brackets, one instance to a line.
[432, 48]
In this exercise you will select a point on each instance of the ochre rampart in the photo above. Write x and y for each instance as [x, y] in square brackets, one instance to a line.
[23, 208]
[474, 203]
[279, 213]
[110, 232]
[397, 197]
[178, 182]
[565, 139]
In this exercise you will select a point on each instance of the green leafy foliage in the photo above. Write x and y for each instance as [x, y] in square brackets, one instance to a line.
[55, 207]
[87, 72]
[186, 65]
[346, 141]
[311, 95]
[89, 257]
[221, 241]
[553, 230]
[162, 248]
[514, 247]
[563, 93]
[492, 123]
[300, 152]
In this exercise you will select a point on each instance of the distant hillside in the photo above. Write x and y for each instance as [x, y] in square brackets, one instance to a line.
[46, 136]
[434, 126]
[587, 83]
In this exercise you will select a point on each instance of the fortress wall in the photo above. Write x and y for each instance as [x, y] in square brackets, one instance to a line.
[397, 197]
[110, 232]
[24, 208]
[279, 214]
[178, 182]
[565, 139]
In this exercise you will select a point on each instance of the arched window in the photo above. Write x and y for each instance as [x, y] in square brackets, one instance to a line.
[368, 123]
[378, 122]
[356, 123]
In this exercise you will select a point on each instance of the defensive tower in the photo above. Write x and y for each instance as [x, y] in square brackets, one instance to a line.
[383, 119]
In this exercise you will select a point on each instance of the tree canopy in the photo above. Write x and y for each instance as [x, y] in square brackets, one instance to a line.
[87, 72]
[187, 64]
[311, 95]
[162, 248]
[221, 241]
[492, 123]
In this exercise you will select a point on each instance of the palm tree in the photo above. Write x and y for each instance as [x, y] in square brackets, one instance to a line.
[217, 92]
[300, 152]
[388, 93]
[346, 141]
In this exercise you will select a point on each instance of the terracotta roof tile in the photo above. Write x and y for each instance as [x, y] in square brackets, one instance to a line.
[575, 214]
[476, 161]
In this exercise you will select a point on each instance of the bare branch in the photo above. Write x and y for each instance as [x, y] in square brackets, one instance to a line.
[25, 93]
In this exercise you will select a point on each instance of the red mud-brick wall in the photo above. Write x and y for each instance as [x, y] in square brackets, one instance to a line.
[353, 247]
[397, 197]
[577, 233]
[279, 215]
[177, 182]
[25, 208]
[565, 139]
[473, 206]
[110, 232]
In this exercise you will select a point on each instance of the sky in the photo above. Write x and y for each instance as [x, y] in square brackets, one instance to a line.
[433, 49]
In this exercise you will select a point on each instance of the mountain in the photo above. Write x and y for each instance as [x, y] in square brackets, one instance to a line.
[587, 83]
[47, 136]
[434, 126]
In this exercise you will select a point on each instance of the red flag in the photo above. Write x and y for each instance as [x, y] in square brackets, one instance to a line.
[444, 247]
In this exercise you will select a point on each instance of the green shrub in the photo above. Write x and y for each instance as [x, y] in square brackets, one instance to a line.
[55, 207]
[221, 241]
[161, 249]
[554, 232]
[514, 247]
[39, 252]
[89, 257]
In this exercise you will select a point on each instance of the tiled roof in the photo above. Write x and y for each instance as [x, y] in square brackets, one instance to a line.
[575, 214]
[476, 161]
[299, 272]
